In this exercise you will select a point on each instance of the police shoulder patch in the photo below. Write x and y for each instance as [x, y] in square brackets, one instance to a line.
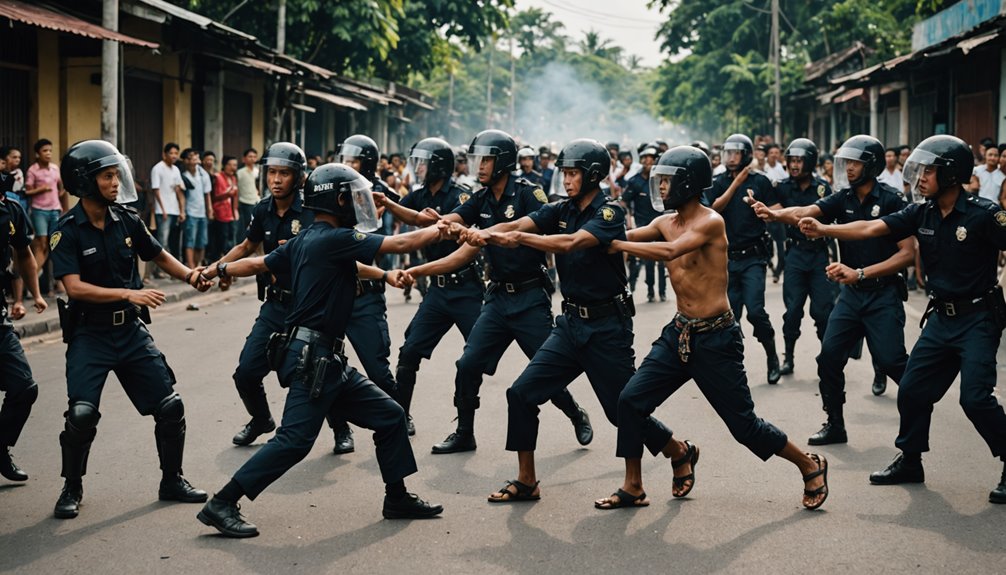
[463, 197]
[54, 240]
[607, 213]
[359, 236]
[539, 194]
[820, 190]
[12, 230]
[1000, 217]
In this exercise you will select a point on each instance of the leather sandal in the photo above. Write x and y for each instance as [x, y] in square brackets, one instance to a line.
[822, 469]
[524, 492]
[691, 457]
[624, 500]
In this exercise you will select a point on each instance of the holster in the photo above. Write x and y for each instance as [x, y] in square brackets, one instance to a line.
[144, 314]
[67, 319]
[547, 281]
[262, 283]
[997, 305]
[275, 351]
[901, 286]
[626, 305]
[768, 245]
[311, 369]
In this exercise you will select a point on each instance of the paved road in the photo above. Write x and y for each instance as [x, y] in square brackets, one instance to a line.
[324, 516]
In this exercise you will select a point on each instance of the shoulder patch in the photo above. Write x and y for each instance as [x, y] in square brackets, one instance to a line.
[539, 194]
[359, 236]
[54, 240]
[1000, 217]
[463, 197]
[12, 230]
[820, 190]
[607, 213]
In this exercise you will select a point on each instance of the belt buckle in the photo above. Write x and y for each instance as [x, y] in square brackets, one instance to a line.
[441, 281]
[583, 312]
[510, 287]
[950, 309]
[118, 317]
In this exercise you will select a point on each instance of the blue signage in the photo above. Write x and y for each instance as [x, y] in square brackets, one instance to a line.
[957, 19]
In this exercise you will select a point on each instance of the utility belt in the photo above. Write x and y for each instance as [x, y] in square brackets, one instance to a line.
[877, 284]
[278, 295]
[991, 301]
[620, 305]
[512, 286]
[762, 248]
[71, 317]
[819, 244]
[369, 286]
[320, 354]
[460, 277]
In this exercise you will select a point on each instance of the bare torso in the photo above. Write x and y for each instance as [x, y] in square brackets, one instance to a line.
[699, 278]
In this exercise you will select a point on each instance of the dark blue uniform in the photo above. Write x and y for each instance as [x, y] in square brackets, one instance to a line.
[748, 252]
[110, 336]
[872, 307]
[805, 260]
[534, 177]
[268, 228]
[636, 197]
[321, 262]
[959, 253]
[517, 304]
[594, 333]
[16, 380]
[453, 299]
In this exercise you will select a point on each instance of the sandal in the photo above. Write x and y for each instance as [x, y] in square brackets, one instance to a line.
[625, 499]
[691, 457]
[822, 469]
[524, 492]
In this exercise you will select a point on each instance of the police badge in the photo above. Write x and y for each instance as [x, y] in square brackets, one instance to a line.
[962, 233]
[295, 227]
[508, 213]
[129, 242]
[54, 240]
[875, 211]
[820, 190]
[1001, 218]
[608, 214]
[539, 194]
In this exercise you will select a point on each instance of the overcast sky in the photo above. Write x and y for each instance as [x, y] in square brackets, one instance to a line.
[632, 26]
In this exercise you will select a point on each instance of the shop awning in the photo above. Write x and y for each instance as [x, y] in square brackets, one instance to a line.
[338, 101]
[255, 63]
[855, 93]
[51, 20]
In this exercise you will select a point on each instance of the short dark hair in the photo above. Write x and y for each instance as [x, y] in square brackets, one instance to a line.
[209, 153]
[988, 142]
[1002, 148]
[171, 146]
[895, 149]
[41, 144]
[224, 161]
[248, 151]
[188, 152]
[624, 153]
[396, 155]
[771, 146]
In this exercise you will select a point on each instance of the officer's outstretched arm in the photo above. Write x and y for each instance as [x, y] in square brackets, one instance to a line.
[244, 268]
[904, 257]
[80, 290]
[790, 216]
[410, 242]
[556, 243]
[852, 231]
[458, 259]
[697, 235]
[394, 278]
[242, 250]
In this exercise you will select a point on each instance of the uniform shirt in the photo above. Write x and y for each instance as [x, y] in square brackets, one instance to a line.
[591, 275]
[105, 258]
[444, 201]
[532, 176]
[321, 262]
[844, 206]
[546, 179]
[744, 228]
[268, 228]
[959, 252]
[520, 198]
[790, 195]
[636, 197]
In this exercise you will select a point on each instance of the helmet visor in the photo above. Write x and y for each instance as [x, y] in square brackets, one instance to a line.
[120, 179]
[349, 151]
[841, 174]
[419, 163]
[666, 186]
[915, 167]
[363, 205]
[558, 186]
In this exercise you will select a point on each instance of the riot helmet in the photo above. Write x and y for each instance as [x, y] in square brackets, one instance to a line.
[805, 149]
[680, 174]
[494, 144]
[702, 146]
[951, 158]
[341, 191]
[739, 148]
[284, 155]
[589, 156]
[864, 149]
[86, 160]
[431, 160]
[362, 151]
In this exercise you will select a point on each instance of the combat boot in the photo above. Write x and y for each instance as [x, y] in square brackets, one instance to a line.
[833, 430]
[581, 425]
[787, 361]
[902, 470]
[8, 468]
[261, 421]
[343, 440]
[405, 378]
[463, 439]
[226, 518]
[774, 375]
[998, 495]
[879, 383]
[68, 504]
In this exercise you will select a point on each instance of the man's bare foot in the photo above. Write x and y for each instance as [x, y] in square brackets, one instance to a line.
[515, 490]
[815, 480]
[627, 496]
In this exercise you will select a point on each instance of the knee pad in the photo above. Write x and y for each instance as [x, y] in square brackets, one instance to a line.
[82, 417]
[461, 402]
[27, 396]
[170, 410]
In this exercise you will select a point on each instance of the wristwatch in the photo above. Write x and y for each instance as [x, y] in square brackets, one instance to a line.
[861, 274]
[222, 270]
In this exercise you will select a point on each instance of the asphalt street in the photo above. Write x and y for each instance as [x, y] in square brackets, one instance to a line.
[324, 516]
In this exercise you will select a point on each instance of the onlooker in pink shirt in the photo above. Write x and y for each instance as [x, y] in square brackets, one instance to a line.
[43, 187]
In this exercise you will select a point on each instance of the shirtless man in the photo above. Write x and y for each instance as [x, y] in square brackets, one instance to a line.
[702, 342]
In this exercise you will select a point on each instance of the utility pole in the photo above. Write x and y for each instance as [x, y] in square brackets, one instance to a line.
[450, 105]
[110, 74]
[278, 113]
[775, 59]
[513, 90]
[489, 84]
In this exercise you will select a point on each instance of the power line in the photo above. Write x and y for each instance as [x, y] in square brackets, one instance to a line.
[561, 4]
[600, 21]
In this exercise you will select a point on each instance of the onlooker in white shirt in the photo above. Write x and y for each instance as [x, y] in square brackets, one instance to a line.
[166, 183]
[987, 179]
[892, 172]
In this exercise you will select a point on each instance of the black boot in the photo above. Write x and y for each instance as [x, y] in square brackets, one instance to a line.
[261, 421]
[833, 430]
[787, 361]
[774, 375]
[170, 437]
[463, 439]
[343, 439]
[7, 467]
[409, 506]
[75, 446]
[879, 382]
[405, 376]
[998, 495]
[68, 504]
[903, 469]
[581, 424]
[226, 517]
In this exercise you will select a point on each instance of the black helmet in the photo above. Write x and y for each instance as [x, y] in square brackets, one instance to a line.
[806, 149]
[862, 148]
[687, 172]
[741, 143]
[329, 183]
[286, 155]
[363, 148]
[496, 144]
[84, 160]
[435, 156]
[587, 155]
[951, 156]
[702, 146]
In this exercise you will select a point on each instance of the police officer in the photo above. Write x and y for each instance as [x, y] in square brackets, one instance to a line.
[517, 303]
[455, 296]
[525, 164]
[94, 252]
[750, 245]
[805, 259]
[869, 302]
[16, 381]
[276, 219]
[636, 198]
[368, 328]
[322, 263]
[594, 333]
[960, 237]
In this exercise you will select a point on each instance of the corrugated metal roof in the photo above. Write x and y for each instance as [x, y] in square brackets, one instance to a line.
[51, 20]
